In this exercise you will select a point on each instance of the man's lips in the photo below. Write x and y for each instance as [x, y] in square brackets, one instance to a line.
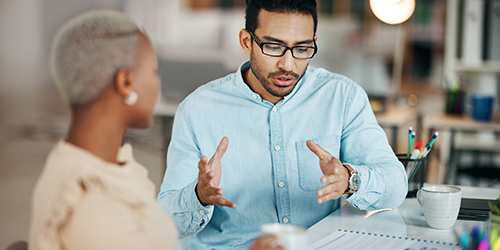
[283, 81]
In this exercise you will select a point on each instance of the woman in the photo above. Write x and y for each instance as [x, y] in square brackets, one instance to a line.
[92, 194]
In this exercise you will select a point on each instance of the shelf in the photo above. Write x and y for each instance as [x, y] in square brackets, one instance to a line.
[487, 67]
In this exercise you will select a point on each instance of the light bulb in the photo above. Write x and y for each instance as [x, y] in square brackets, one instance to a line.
[392, 11]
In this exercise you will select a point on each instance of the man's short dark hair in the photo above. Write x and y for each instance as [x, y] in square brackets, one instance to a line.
[281, 6]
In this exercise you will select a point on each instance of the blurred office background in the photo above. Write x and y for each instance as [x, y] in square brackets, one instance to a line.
[414, 73]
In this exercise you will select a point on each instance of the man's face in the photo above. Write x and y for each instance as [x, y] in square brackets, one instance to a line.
[279, 75]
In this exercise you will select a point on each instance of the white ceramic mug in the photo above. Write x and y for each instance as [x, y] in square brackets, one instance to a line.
[290, 237]
[440, 205]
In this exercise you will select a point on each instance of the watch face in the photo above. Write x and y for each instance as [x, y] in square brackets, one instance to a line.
[355, 181]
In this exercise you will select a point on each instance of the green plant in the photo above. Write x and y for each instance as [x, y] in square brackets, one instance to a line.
[495, 206]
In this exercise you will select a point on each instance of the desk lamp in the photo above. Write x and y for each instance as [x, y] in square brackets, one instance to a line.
[395, 12]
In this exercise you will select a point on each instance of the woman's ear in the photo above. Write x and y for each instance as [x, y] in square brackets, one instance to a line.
[123, 83]
[245, 41]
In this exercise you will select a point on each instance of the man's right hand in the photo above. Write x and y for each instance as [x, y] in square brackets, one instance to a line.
[266, 243]
[209, 175]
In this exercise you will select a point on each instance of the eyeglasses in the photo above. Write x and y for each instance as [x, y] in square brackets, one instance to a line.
[278, 50]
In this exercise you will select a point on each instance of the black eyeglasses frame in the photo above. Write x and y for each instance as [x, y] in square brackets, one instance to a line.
[261, 46]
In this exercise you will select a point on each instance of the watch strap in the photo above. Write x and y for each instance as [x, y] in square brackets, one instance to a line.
[351, 171]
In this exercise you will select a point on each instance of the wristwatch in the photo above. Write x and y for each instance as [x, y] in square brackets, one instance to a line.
[354, 180]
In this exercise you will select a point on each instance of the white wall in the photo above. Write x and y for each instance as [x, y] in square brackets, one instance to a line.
[26, 31]
[20, 41]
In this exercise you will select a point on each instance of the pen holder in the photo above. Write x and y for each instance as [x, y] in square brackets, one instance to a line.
[415, 171]
[454, 102]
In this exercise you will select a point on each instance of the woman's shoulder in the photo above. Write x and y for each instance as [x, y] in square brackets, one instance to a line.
[70, 179]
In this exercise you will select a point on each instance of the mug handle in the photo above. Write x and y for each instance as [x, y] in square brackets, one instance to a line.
[419, 197]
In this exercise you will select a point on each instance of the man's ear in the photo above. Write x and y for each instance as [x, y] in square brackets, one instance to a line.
[316, 38]
[123, 83]
[245, 41]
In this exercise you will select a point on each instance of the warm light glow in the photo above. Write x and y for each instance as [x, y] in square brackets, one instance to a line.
[392, 11]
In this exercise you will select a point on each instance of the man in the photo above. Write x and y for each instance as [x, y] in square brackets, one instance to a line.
[289, 140]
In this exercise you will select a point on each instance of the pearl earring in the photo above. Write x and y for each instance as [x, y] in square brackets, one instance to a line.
[131, 99]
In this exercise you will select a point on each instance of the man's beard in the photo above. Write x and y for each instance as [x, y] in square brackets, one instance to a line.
[281, 91]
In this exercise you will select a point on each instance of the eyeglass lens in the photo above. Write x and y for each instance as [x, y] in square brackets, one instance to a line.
[275, 49]
[280, 50]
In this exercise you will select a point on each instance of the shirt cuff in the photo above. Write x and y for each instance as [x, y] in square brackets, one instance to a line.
[200, 214]
[357, 199]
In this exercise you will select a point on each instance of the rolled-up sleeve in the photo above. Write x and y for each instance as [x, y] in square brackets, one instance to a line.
[177, 194]
[366, 149]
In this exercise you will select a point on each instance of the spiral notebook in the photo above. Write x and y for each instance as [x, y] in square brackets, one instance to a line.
[344, 239]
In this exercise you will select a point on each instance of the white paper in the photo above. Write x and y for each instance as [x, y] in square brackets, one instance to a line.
[343, 239]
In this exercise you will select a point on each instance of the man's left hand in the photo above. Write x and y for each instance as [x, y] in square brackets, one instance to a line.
[335, 174]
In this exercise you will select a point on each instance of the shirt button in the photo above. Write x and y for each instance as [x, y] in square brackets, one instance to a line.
[274, 109]
[285, 220]
[277, 147]
[202, 212]
[281, 184]
[254, 96]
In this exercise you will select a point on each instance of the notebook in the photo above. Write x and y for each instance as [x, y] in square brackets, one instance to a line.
[474, 209]
[344, 239]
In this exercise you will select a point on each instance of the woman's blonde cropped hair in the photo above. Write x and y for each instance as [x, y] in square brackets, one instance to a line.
[88, 51]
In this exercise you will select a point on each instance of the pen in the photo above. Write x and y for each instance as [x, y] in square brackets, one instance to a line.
[422, 153]
[433, 139]
[465, 240]
[412, 169]
[484, 244]
[414, 155]
[476, 236]
[412, 137]
[410, 142]
[425, 152]
[428, 147]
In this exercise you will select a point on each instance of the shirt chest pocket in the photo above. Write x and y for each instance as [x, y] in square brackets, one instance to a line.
[308, 162]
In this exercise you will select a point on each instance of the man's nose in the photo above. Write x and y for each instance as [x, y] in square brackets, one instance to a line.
[287, 61]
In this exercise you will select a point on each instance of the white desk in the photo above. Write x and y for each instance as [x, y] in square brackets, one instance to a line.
[406, 220]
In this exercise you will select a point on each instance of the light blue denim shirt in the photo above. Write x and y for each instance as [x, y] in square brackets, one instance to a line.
[268, 170]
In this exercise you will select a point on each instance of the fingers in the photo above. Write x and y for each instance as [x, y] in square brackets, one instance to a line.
[209, 178]
[329, 164]
[330, 192]
[266, 242]
[213, 197]
[209, 195]
[221, 149]
[202, 164]
[219, 200]
[333, 178]
[320, 152]
[338, 184]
